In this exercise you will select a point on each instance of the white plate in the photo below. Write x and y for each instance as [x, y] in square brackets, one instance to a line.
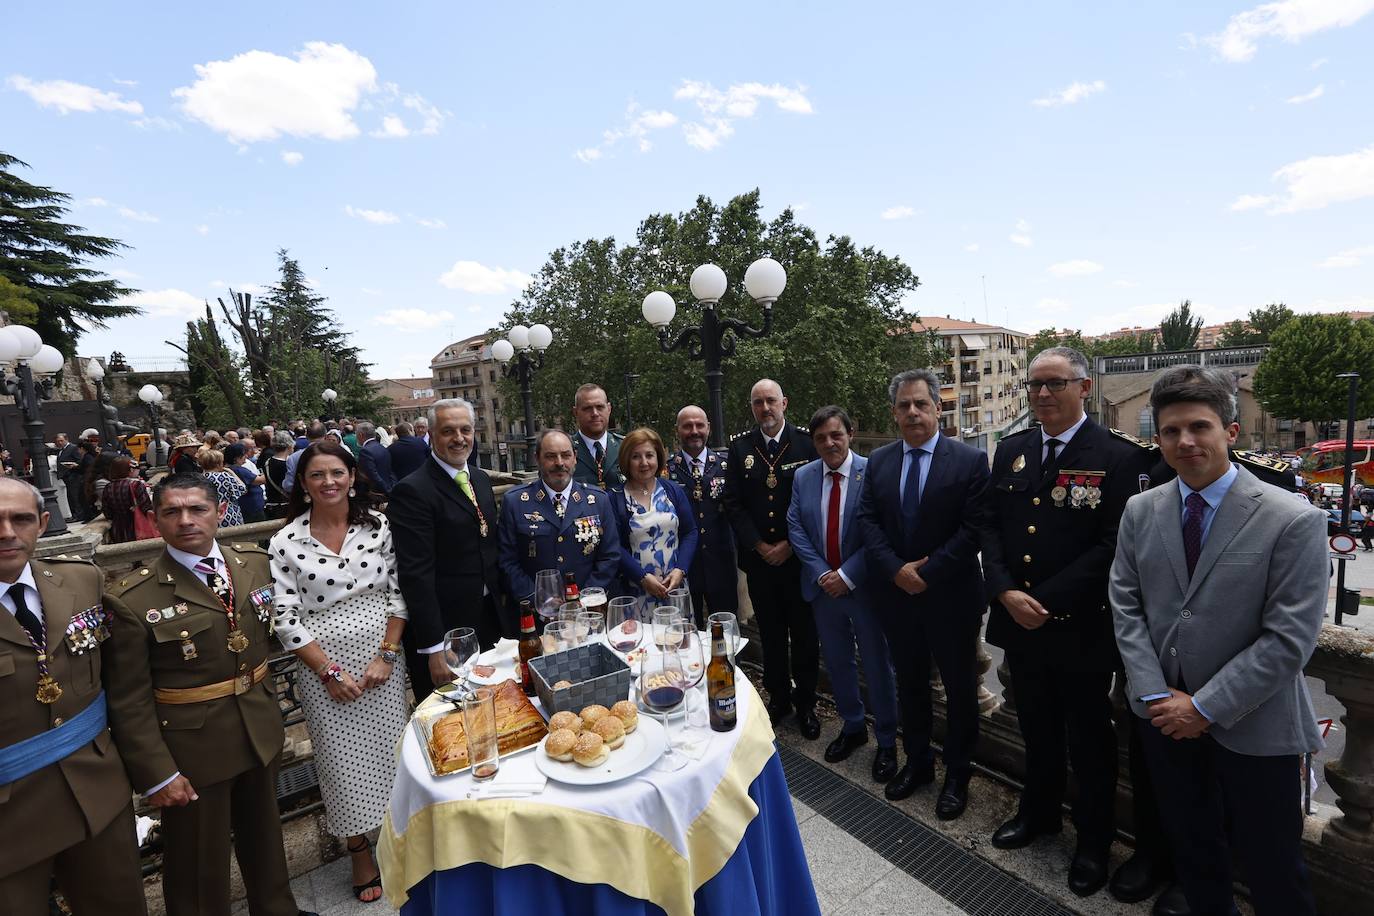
[501, 674]
[641, 748]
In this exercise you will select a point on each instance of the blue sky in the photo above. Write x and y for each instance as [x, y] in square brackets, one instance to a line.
[1091, 164]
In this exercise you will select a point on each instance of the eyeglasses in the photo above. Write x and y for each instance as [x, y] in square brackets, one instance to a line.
[1053, 384]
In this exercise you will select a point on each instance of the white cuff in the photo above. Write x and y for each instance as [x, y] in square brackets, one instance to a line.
[162, 785]
[847, 581]
[437, 647]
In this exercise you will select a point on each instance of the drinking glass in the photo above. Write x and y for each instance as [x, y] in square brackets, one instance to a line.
[548, 592]
[460, 651]
[560, 636]
[624, 629]
[479, 723]
[591, 627]
[661, 689]
[664, 618]
[569, 610]
[594, 600]
[729, 625]
[681, 599]
[692, 653]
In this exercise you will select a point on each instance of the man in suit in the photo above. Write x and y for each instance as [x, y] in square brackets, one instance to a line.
[68, 459]
[68, 811]
[408, 452]
[821, 528]
[758, 489]
[443, 524]
[557, 522]
[1214, 649]
[701, 472]
[192, 709]
[1057, 493]
[598, 449]
[375, 461]
[921, 510]
[313, 433]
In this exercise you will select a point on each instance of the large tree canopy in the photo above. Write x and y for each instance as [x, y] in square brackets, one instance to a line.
[46, 260]
[839, 329]
[1297, 377]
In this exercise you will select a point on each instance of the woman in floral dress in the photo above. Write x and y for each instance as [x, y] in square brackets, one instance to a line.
[658, 534]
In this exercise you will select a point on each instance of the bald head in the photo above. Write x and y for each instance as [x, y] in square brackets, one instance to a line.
[769, 405]
[693, 429]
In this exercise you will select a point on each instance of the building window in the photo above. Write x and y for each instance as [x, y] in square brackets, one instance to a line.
[987, 367]
[1147, 423]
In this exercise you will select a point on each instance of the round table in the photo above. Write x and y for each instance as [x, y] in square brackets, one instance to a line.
[717, 836]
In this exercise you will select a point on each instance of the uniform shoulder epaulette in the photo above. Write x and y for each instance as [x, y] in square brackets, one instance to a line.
[1134, 440]
[67, 558]
[1261, 461]
[246, 548]
[1020, 432]
[128, 583]
[741, 434]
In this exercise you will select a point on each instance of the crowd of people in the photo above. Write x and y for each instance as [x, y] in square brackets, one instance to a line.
[1092, 553]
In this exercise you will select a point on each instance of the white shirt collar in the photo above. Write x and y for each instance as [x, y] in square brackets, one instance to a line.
[189, 560]
[565, 493]
[449, 469]
[699, 457]
[591, 443]
[767, 438]
[1066, 435]
[928, 446]
[845, 467]
[25, 578]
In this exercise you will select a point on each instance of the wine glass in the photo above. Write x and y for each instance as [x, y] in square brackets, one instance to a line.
[664, 618]
[548, 592]
[729, 625]
[624, 630]
[661, 690]
[681, 599]
[460, 651]
[692, 654]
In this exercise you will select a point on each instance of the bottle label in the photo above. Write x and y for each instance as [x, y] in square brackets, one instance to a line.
[725, 705]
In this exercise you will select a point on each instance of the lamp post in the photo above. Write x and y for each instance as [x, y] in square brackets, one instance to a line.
[1354, 379]
[527, 346]
[330, 396]
[714, 339]
[96, 373]
[151, 396]
[31, 357]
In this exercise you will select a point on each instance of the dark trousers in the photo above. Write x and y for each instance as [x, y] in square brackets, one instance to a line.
[711, 594]
[99, 875]
[1202, 788]
[949, 636]
[786, 628]
[1150, 839]
[195, 866]
[1059, 709]
[488, 629]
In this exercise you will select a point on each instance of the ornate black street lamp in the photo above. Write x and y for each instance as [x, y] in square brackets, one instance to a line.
[527, 345]
[31, 357]
[151, 396]
[714, 339]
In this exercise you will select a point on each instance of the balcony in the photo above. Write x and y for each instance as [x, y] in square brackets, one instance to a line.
[970, 378]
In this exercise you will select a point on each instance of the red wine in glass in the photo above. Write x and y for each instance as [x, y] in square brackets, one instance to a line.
[665, 698]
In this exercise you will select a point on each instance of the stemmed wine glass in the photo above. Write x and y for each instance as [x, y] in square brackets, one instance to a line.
[691, 653]
[548, 592]
[460, 651]
[661, 690]
[624, 629]
[729, 625]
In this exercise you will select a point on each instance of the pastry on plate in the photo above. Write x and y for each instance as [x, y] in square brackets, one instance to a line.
[560, 743]
[594, 714]
[565, 719]
[628, 715]
[611, 731]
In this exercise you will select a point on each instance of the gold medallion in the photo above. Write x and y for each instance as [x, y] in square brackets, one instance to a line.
[1058, 494]
[771, 480]
[48, 690]
[748, 462]
[1019, 464]
[237, 641]
[696, 494]
[483, 529]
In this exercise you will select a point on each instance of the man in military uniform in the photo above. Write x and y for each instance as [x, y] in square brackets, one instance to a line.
[1058, 491]
[701, 472]
[598, 449]
[65, 802]
[192, 709]
[758, 489]
[557, 523]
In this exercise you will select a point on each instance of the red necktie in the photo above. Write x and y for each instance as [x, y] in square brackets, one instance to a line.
[832, 523]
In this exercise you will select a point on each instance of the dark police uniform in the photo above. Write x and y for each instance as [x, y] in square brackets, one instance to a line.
[584, 542]
[712, 576]
[758, 512]
[604, 475]
[1053, 536]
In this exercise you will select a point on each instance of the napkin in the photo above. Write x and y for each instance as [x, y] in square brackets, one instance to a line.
[692, 744]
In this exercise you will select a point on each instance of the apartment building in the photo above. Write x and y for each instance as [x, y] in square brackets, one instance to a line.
[466, 369]
[982, 384]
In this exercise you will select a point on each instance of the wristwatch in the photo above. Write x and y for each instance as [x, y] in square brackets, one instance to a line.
[387, 655]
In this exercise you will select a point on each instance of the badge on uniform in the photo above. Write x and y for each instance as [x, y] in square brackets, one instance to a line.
[717, 487]
[591, 499]
[262, 603]
[524, 496]
[1019, 464]
[588, 533]
[748, 462]
[188, 650]
[1144, 482]
[88, 629]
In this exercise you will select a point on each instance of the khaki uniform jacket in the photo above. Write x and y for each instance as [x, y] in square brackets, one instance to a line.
[206, 742]
[74, 799]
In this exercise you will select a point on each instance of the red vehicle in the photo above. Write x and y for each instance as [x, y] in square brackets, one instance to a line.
[1324, 462]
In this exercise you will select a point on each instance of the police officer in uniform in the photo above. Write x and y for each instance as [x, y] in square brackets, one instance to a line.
[557, 522]
[758, 490]
[192, 709]
[598, 449]
[1058, 491]
[701, 472]
[65, 802]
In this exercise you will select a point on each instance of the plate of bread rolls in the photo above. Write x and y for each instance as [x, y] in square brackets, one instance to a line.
[598, 745]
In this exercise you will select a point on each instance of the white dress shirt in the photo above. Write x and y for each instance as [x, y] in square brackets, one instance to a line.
[31, 599]
[828, 484]
[1063, 438]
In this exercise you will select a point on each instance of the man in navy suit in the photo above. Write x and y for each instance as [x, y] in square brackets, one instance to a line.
[408, 452]
[820, 526]
[701, 472]
[375, 461]
[921, 513]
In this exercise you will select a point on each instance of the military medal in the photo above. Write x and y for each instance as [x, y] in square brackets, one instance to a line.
[1058, 494]
[188, 650]
[483, 529]
[224, 591]
[1019, 464]
[153, 615]
[48, 689]
[748, 462]
[237, 641]
[771, 480]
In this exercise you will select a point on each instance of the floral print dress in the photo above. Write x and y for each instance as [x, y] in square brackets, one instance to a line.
[653, 534]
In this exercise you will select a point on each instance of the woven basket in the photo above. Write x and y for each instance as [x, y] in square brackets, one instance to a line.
[597, 675]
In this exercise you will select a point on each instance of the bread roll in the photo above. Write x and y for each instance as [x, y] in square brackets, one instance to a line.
[628, 715]
[566, 719]
[590, 750]
[594, 714]
[611, 731]
[560, 743]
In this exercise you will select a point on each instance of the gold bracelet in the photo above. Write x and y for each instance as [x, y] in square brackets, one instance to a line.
[390, 646]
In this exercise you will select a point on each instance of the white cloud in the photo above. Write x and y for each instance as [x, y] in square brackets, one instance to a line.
[1318, 181]
[1319, 63]
[431, 117]
[590, 154]
[66, 96]
[413, 320]
[1075, 268]
[1052, 305]
[95, 202]
[637, 125]
[1289, 20]
[119, 82]
[971, 247]
[1250, 202]
[1070, 94]
[472, 277]
[707, 137]
[1022, 235]
[167, 303]
[902, 212]
[1308, 96]
[141, 216]
[393, 128]
[1351, 257]
[720, 108]
[380, 217]
[203, 229]
[291, 157]
[432, 223]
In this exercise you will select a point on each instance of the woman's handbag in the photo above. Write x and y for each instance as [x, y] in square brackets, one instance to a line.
[144, 527]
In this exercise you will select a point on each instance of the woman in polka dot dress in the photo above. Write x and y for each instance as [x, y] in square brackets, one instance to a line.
[339, 609]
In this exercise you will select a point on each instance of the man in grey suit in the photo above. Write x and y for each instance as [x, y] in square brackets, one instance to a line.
[1214, 648]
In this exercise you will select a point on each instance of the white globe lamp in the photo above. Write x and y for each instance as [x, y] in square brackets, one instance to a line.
[659, 309]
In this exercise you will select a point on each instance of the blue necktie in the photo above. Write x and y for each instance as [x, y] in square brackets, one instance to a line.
[911, 496]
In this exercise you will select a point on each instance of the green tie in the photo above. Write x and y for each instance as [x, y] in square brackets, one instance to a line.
[466, 485]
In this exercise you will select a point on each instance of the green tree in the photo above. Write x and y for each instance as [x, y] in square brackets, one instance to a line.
[1043, 340]
[1179, 329]
[47, 259]
[839, 328]
[1265, 321]
[1237, 334]
[16, 302]
[1125, 345]
[1297, 380]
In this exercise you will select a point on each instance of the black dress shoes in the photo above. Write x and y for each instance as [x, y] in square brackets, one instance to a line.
[912, 777]
[809, 725]
[1172, 902]
[953, 798]
[844, 744]
[1137, 879]
[885, 764]
[777, 712]
[1088, 870]
[1020, 831]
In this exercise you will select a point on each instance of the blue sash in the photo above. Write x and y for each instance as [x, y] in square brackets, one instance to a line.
[46, 748]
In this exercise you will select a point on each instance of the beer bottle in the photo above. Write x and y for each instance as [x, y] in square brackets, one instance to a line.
[720, 682]
[530, 646]
[571, 593]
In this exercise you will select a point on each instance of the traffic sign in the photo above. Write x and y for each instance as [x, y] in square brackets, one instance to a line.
[1343, 543]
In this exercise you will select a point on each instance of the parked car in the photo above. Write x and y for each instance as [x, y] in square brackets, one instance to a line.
[1333, 521]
